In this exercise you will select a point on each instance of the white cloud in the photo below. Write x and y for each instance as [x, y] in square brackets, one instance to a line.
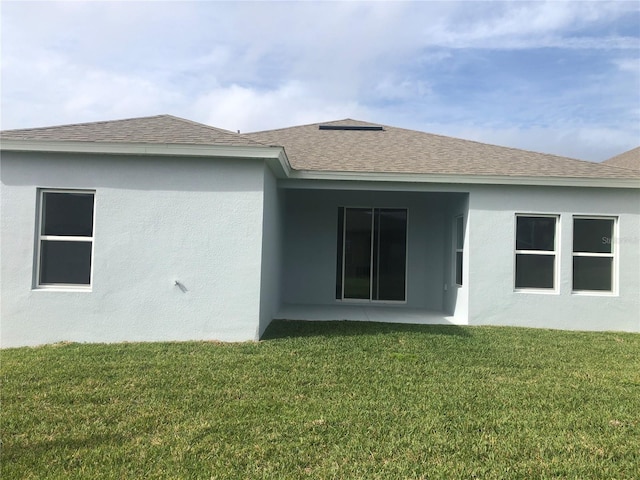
[628, 65]
[392, 87]
[240, 108]
[259, 65]
[518, 25]
[56, 91]
[585, 142]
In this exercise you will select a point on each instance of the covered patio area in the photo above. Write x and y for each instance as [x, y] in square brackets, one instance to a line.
[340, 261]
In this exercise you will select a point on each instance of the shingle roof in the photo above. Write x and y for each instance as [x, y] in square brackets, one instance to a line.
[162, 129]
[630, 159]
[397, 150]
[308, 147]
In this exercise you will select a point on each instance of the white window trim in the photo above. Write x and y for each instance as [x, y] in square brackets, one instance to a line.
[457, 250]
[613, 255]
[406, 261]
[555, 252]
[67, 287]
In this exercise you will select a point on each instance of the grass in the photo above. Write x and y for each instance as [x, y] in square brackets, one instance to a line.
[328, 400]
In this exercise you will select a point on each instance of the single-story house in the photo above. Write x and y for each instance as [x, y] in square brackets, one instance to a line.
[159, 228]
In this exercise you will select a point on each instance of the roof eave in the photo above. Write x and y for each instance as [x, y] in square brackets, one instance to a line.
[276, 159]
[274, 156]
[468, 179]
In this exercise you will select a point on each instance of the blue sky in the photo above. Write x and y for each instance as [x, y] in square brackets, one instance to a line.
[557, 77]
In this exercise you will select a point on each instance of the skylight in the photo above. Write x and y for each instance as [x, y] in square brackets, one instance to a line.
[351, 127]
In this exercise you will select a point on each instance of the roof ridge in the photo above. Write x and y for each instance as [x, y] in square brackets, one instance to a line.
[211, 127]
[622, 154]
[199, 124]
[313, 124]
[629, 160]
[350, 120]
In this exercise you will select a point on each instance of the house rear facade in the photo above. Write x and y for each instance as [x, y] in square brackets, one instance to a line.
[158, 228]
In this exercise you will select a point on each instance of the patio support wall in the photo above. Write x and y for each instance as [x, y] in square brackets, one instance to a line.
[456, 297]
[270, 279]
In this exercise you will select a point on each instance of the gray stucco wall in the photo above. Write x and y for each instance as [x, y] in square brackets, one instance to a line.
[492, 298]
[157, 220]
[242, 246]
[270, 280]
[456, 297]
[310, 232]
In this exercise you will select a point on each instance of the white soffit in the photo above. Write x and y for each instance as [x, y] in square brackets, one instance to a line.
[467, 179]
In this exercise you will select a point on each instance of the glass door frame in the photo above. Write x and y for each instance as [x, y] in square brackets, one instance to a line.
[373, 252]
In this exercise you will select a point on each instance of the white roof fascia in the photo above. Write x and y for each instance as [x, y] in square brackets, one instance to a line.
[468, 179]
[280, 165]
[274, 156]
[173, 149]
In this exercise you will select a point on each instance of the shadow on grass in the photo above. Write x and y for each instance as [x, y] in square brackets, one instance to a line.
[344, 328]
[13, 451]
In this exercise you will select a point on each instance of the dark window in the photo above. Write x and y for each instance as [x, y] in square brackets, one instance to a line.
[535, 251]
[593, 235]
[534, 271]
[340, 252]
[459, 244]
[592, 273]
[536, 233]
[65, 262]
[593, 254]
[66, 238]
[67, 214]
[458, 268]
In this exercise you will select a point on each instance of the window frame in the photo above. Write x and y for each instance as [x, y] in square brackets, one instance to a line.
[456, 250]
[342, 257]
[40, 238]
[613, 255]
[555, 253]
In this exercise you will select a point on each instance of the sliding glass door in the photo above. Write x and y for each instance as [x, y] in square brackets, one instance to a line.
[357, 253]
[389, 254]
[372, 252]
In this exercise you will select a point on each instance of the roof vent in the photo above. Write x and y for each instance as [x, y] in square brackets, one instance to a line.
[351, 127]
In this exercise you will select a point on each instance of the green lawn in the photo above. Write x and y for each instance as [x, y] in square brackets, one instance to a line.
[328, 400]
